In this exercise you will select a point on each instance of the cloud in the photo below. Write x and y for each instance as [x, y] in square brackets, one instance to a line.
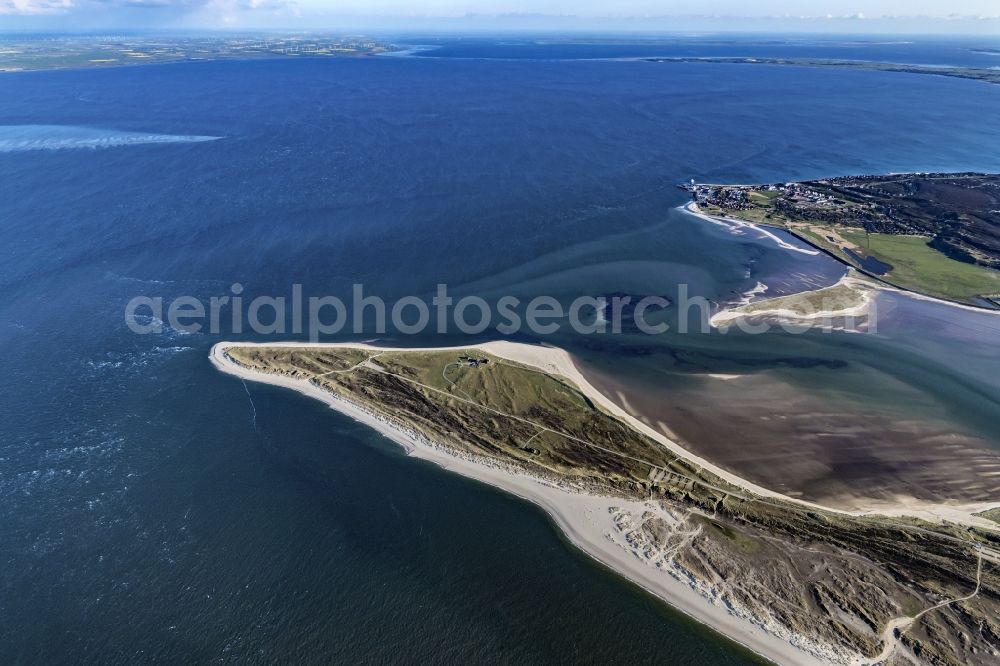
[666, 15]
[263, 4]
[95, 9]
[152, 4]
[30, 7]
[110, 7]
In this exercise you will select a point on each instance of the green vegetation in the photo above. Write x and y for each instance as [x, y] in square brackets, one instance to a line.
[298, 362]
[739, 539]
[496, 408]
[992, 514]
[821, 241]
[755, 215]
[762, 197]
[917, 266]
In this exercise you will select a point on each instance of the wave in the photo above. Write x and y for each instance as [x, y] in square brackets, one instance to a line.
[157, 325]
[739, 227]
[133, 361]
[19, 138]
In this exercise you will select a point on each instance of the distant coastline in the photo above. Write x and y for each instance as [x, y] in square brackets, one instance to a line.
[849, 220]
[21, 53]
[990, 76]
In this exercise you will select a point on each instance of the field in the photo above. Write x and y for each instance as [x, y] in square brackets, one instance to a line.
[760, 215]
[818, 239]
[917, 266]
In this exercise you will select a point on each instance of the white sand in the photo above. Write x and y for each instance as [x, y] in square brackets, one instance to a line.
[598, 525]
[862, 309]
[737, 225]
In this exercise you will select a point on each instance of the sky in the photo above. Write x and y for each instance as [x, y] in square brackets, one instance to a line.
[834, 16]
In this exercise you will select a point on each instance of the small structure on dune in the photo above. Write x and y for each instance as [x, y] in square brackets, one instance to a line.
[471, 362]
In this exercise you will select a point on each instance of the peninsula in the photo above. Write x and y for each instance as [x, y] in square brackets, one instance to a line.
[795, 581]
[986, 75]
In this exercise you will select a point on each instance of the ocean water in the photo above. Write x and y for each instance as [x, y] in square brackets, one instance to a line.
[150, 511]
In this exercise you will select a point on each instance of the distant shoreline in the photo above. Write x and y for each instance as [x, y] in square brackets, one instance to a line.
[988, 76]
[180, 61]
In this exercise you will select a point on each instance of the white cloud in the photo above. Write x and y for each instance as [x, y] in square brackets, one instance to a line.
[29, 7]
[167, 8]
[642, 14]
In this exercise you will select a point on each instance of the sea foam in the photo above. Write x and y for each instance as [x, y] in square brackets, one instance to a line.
[17, 138]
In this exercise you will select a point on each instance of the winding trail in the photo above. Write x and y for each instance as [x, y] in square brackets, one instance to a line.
[350, 369]
[893, 633]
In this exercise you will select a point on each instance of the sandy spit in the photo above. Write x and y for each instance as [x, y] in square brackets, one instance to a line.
[558, 362]
[588, 521]
[593, 523]
[724, 317]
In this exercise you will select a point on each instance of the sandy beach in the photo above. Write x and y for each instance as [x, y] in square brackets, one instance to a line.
[863, 308]
[735, 224]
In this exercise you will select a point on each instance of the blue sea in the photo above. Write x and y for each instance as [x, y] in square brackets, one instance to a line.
[154, 510]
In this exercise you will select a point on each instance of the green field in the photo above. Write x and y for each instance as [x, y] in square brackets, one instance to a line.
[820, 241]
[917, 266]
[763, 198]
[755, 215]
